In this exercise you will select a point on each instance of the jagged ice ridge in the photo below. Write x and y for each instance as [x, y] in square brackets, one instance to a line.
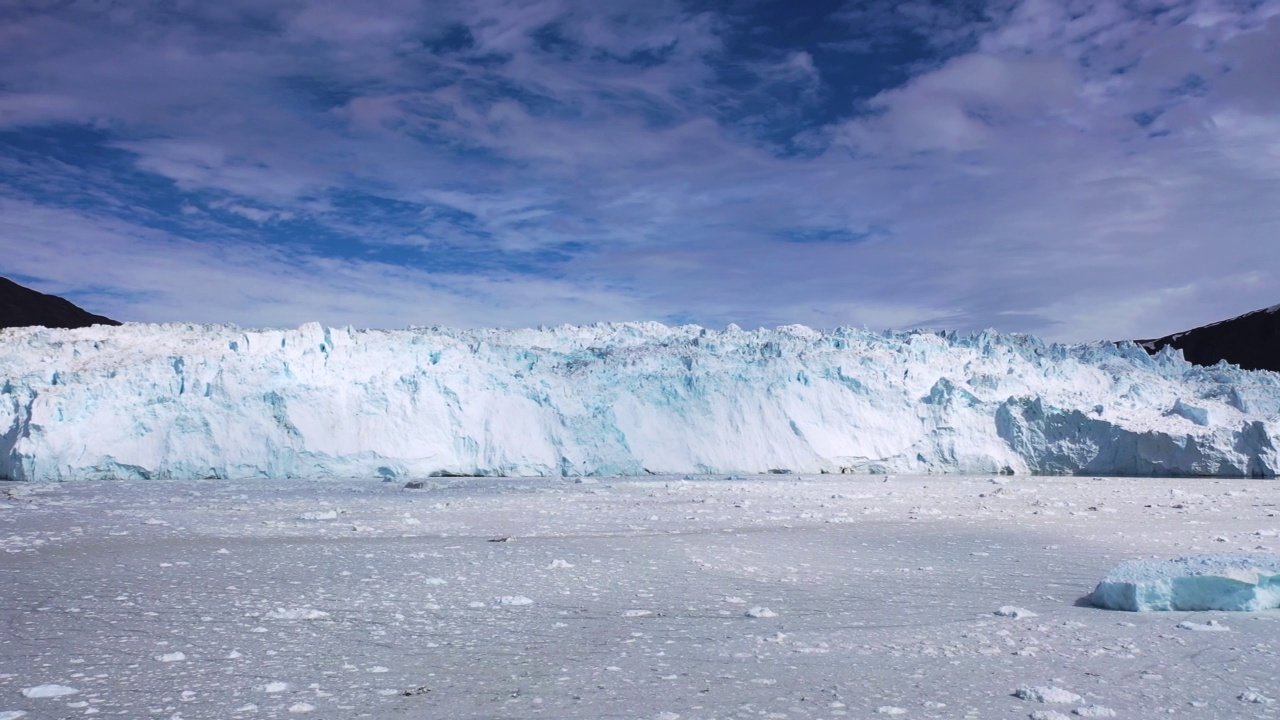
[191, 401]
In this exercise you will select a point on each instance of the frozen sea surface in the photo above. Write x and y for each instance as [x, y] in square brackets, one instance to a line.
[764, 597]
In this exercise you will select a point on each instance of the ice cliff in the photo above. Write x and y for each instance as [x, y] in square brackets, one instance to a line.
[186, 401]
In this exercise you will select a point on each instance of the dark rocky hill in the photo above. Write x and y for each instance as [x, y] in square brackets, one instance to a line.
[21, 307]
[1251, 341]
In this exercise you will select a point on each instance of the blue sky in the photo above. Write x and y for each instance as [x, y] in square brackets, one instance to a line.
[1079, 170]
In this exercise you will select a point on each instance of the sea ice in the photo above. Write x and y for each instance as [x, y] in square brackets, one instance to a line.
[1245, 582]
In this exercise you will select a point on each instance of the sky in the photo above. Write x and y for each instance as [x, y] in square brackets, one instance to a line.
[1077, 170]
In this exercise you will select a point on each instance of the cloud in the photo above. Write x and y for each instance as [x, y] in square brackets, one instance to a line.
[17, 109]
[168, 278]
[1083, 170]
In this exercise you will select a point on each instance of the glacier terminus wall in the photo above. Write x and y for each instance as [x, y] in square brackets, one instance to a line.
[190, 401]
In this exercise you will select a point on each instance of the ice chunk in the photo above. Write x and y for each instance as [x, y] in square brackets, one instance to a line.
[274, 687]
[1015, 612]
[1197, 415]
[1211, 626]
[48, 691]
[297, 614]
[1046, 694]
[1245, 582]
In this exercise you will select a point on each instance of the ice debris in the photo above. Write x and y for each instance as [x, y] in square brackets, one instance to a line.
[274, 687]
[48, 691]
[1246, 582]
[1211, 626]
[1011, 611]
[297, 614]
[1046, 694]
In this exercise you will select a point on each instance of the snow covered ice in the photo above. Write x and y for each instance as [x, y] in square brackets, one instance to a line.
[644, 594]
[1242, 582]
[187, 401]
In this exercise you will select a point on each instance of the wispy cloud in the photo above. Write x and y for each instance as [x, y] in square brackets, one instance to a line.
[1081, 170]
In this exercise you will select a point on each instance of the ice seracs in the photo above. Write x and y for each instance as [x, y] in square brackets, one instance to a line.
[189, 401]
[1245, 582]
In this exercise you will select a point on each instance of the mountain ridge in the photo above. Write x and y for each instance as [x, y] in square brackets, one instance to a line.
[20, 306]
[1251, 341]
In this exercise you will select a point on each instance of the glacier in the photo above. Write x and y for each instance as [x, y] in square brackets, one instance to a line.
[197, 401]
[1245, 582]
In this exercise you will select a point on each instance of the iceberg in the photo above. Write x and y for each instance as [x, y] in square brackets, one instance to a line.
[1245, 582]
[198, 401]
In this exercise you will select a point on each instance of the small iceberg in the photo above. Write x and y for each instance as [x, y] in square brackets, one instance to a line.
[1245, 582]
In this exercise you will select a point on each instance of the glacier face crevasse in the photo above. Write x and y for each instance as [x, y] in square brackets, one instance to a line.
[187, 401]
